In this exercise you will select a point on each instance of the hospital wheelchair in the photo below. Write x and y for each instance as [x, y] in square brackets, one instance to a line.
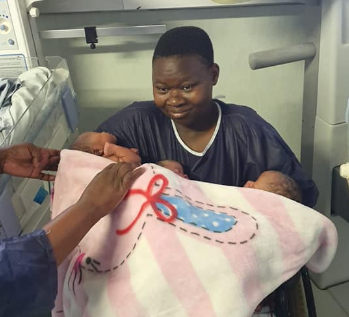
[295, 297]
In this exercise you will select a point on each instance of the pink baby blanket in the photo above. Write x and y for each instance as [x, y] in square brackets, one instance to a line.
[177, 247]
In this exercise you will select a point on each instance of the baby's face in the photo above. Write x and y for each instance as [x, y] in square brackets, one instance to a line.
[175, 167]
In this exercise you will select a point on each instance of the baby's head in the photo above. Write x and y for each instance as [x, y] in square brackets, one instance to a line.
[93, 142]
[277, 183]
[103, 144]
[174, 166]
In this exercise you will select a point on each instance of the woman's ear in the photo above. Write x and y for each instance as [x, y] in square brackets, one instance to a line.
[215, 73]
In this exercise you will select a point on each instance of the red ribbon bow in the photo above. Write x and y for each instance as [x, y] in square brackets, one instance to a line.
[152, 200]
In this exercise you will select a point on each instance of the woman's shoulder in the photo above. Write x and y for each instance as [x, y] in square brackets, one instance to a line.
[136, 112]
[246, 122]
[139, 107]
[238, 113]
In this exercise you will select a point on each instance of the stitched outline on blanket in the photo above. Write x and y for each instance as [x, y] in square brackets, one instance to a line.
[154, 199]
[189, 201]
[91, 262]
[211, 239]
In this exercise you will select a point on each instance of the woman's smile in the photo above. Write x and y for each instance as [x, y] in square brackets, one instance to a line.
[178, 112]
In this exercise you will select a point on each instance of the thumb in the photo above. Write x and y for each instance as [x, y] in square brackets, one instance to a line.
[132, 176]
[108, 149]
[35, 153]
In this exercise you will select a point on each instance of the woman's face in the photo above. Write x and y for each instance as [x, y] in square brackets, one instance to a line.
[182, 87]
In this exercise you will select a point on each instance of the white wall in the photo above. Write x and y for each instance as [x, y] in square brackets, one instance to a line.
[119, 70]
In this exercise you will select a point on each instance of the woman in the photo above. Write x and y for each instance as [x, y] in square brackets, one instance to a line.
[215, 142]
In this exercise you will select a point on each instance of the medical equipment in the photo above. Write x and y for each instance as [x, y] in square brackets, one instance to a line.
[123, 5]
[325, 124]
[43, 114]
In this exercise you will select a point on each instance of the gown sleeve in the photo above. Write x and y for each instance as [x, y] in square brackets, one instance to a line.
[28, 275]
[124, 126]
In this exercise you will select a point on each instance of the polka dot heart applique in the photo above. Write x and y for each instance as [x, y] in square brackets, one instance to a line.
[199, 216]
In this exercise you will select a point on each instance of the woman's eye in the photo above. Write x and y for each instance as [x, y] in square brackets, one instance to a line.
[162, 89]
[187, 87]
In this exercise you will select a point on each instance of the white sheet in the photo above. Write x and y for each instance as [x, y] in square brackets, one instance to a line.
[33, 90]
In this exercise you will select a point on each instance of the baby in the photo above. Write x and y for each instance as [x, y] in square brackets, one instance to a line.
[103, 144]
[277, 183]
[270, 181]
[174, 166]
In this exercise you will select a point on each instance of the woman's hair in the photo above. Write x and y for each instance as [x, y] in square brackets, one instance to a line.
[184, 41]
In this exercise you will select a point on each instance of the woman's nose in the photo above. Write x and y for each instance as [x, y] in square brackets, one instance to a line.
[175, 98]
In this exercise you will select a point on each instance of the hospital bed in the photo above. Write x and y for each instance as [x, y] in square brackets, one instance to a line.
[46, 117]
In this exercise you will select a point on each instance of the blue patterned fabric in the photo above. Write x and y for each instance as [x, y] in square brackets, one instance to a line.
[198, 217]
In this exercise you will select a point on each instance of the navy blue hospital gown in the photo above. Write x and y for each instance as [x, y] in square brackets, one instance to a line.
[28, 276]
[245, 146]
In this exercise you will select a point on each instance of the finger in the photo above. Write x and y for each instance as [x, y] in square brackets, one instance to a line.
[130, 178]
[44, 159]
[107, 169]
[53, 164]
[40, 159]
[53, 152]
[137, 173]
[35, 154]
[47, 177]
[122, 169]
[51, 178]
[118, 173]
[49, 159]
[104, 174]
[109, 149]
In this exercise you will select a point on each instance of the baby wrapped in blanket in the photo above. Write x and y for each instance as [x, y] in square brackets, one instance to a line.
[177, 247]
